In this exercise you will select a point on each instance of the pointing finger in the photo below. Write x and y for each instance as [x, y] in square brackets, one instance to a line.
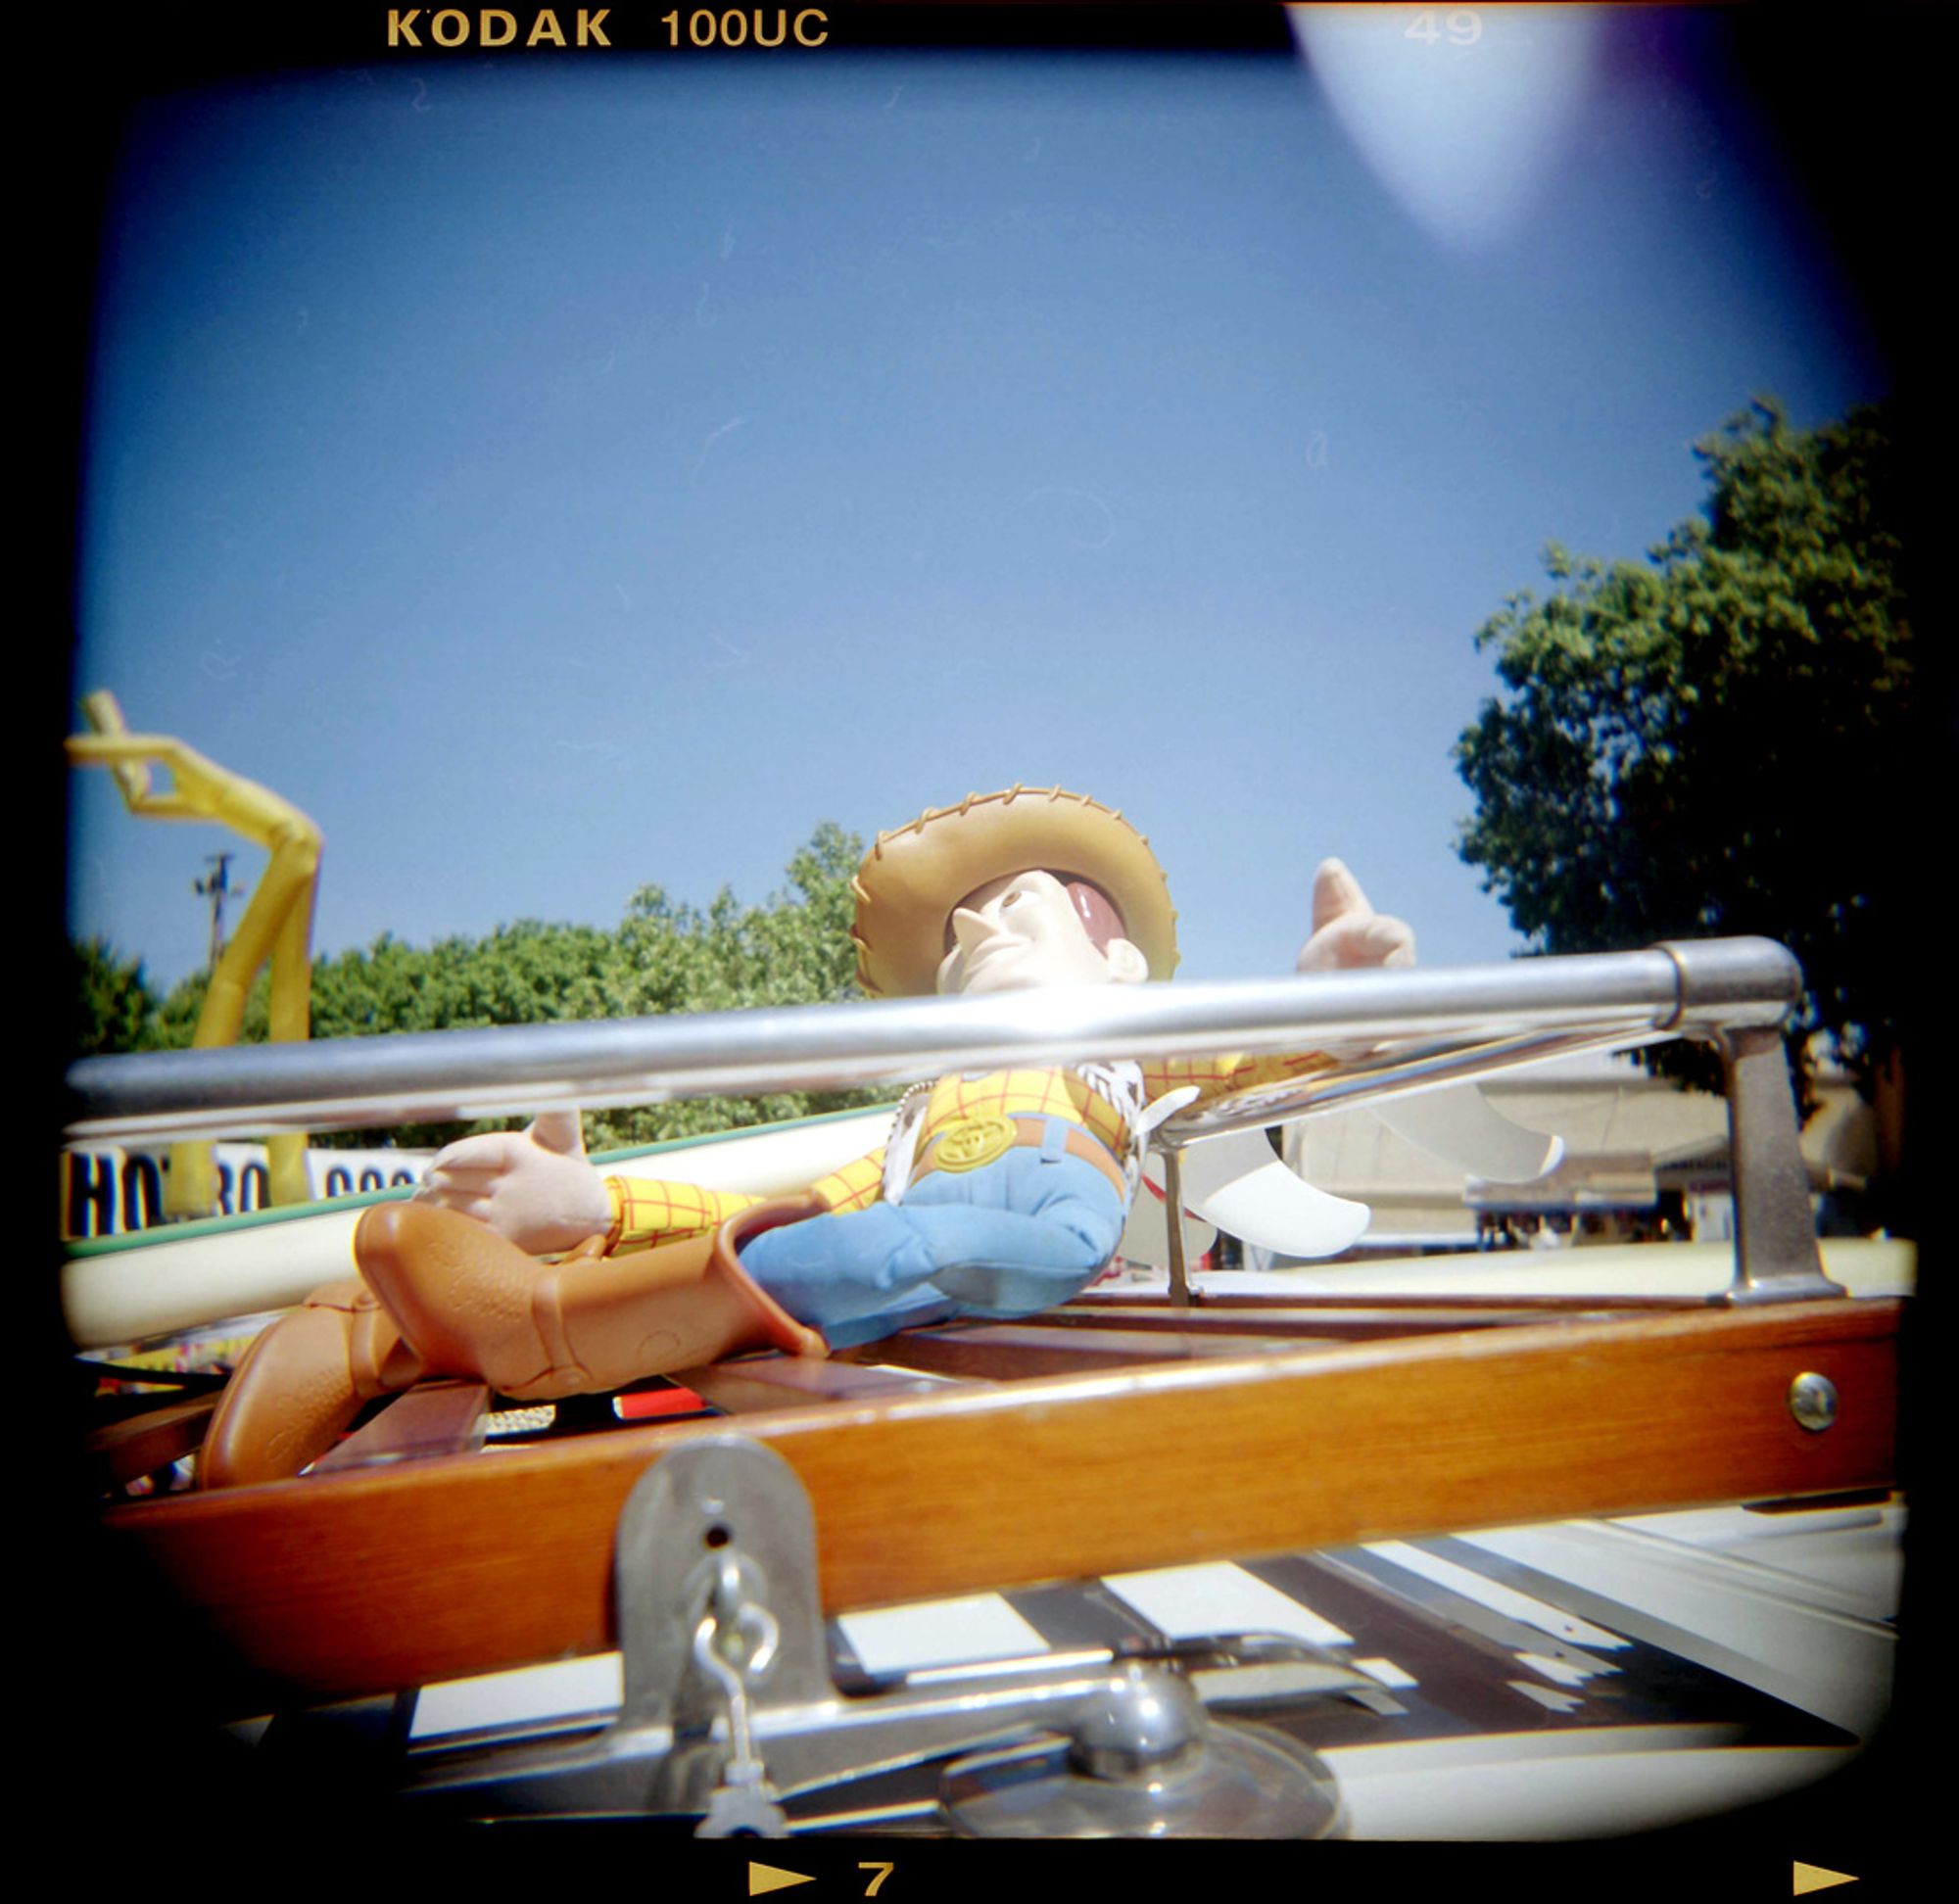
[1336, 892]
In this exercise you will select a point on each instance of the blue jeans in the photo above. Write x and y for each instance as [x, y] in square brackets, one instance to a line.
[1010, 1238]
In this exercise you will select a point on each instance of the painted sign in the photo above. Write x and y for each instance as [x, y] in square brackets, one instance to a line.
[111, 1190]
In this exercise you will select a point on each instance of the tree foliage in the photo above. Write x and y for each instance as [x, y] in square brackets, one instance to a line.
[664, 955]
[114, 1007]
[1700, 745]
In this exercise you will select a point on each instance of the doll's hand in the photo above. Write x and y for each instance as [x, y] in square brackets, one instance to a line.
[1348, 933]
[1347, 930]
[533, 1186]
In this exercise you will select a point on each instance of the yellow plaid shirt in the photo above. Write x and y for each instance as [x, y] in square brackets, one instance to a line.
[646, 1212]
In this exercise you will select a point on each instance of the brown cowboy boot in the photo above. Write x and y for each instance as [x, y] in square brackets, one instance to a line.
[300, 1383]
[474, 1304]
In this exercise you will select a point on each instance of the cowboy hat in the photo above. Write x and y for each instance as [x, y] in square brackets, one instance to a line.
[912, 879]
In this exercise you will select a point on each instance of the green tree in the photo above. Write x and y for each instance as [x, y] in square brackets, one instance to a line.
[1703, 744]
[114, 1007]
[794, 948]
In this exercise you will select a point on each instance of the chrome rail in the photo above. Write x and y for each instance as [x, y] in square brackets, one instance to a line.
[428, 1076]
[1428, 1027]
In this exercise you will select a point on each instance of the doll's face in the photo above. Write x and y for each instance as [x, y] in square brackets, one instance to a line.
[1023, 931]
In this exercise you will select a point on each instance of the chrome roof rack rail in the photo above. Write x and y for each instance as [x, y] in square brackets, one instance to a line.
[1429, 1027]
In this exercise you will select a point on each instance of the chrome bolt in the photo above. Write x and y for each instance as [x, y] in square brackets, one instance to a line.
[1812, 1400]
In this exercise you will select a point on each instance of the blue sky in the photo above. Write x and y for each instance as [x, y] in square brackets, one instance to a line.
[559, 480]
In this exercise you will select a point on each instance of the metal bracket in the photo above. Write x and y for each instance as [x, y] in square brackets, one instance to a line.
[1776, 1254]
[1724, 1002]
[1179, 1270]
[725, 1501]
[713, 1500]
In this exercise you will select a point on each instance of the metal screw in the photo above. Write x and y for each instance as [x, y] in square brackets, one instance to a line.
[1812, 1400]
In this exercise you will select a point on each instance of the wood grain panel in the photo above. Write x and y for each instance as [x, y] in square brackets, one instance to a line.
[140, 1444]
[359, 1583]
[1005, 1351]
[1545, 1305]
[759, 1384]
[1296, 1319]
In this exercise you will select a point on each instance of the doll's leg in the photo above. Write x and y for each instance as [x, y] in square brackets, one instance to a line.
[1010, 1238]
[301, 1383]
[472, 1303]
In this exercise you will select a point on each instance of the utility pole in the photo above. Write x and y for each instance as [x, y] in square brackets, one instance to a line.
[217, 888]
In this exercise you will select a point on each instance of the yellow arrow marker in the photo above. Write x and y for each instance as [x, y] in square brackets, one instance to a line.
[1809, 1877]
[766, 1877]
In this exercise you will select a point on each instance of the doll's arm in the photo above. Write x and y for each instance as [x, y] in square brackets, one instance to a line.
[1234, 1071]
[647, 1212]
[1347, 933]
[538, 1188]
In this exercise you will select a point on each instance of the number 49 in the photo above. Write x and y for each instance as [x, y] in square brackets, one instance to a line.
[1462, 28]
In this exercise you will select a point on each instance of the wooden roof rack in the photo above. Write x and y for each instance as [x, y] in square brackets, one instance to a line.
[1115, 1434]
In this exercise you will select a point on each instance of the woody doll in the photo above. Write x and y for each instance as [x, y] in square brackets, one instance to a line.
[995, 1194]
